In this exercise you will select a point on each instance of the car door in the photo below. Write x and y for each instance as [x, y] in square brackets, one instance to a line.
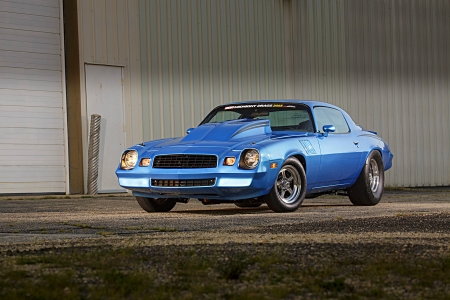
[340, 152]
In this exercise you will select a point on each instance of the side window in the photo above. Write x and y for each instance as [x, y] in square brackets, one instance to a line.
[330, 116]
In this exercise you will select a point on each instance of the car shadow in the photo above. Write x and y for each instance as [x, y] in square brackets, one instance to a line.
[249, 210]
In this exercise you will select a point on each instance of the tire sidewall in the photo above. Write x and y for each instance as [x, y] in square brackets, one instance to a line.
[273, 199]
[361, 193]
[156, 205]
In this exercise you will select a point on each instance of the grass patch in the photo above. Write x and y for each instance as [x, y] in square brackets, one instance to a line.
[84, 225]
[134, 228]
[164, 229]
[230, 271]
[105, 233]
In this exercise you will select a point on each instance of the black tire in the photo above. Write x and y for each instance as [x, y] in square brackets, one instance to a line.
[156, 204]
[369, 186]
[289, 189]
[253, 202]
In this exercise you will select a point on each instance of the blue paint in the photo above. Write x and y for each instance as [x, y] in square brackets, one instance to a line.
[331, 160]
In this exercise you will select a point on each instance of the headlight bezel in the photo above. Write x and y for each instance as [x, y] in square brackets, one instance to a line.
[129, 159]
[250, 159]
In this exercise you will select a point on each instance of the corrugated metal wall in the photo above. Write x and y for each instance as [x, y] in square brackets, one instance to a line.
[198, 54]
[109, 32]
[387, 63]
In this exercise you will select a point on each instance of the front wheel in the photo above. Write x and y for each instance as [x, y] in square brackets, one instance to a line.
[369, 186]
[289, 190]
[252, 202]
[156, 204]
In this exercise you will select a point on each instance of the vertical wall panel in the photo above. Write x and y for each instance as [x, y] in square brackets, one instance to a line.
[110, 36]
[208, 53]
[387, 63]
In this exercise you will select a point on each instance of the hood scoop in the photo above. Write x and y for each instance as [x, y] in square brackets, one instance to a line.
[230, 130]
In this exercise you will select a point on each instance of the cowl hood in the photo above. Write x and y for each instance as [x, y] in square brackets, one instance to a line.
[227, 131]
[226, 135]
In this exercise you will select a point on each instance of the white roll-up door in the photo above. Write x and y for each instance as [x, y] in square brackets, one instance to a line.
[32, 158]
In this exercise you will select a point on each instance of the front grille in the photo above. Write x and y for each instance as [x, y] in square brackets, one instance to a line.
[184, 161]
[183, 183]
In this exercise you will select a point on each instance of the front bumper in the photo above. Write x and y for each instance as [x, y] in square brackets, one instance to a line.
[226, 183]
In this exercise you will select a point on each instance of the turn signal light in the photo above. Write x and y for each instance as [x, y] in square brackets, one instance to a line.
[145, 162]
[229, 161]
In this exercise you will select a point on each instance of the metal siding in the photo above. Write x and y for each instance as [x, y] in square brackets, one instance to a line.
[198, 54]
[32, 138]
[110, 36]
[386, 63]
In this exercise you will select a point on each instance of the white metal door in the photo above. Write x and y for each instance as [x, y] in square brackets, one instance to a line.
[104, 97]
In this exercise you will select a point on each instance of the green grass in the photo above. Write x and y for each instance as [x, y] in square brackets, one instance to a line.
[230, 271]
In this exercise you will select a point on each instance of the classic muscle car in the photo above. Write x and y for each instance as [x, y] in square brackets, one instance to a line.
[249, 153]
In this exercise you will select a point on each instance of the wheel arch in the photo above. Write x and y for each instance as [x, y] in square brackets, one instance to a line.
[373, 150]
[300, 158]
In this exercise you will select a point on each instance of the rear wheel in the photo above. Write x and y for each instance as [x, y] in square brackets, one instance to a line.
[289, 190]
[156, 204]
[369, 186]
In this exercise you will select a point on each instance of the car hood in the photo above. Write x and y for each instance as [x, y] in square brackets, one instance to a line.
[215, 138]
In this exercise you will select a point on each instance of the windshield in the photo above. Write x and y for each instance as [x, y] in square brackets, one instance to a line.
[282, 116]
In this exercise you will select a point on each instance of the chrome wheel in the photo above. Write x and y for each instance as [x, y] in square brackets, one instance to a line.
[288, 184]
[374, 176]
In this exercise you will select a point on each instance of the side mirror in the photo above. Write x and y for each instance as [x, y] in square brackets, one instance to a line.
[189, 130]
[327, 129]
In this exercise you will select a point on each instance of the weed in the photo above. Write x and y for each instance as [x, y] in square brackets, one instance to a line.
[81, 225]
[49, 197]
[164, 229]
[105, 233]
[134, 228]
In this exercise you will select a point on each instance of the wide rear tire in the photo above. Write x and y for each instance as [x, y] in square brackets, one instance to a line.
[156, 204]
[289, 189]
[369, 186]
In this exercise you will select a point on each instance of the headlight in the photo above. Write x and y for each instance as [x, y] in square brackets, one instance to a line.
[129, 159]
[249, 159]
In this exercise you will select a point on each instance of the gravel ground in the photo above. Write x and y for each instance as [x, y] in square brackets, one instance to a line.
[409, 216]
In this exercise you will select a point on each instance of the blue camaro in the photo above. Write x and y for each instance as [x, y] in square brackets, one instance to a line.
[249, 153]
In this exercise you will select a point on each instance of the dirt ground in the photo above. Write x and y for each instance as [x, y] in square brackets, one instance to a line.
[418, 216]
